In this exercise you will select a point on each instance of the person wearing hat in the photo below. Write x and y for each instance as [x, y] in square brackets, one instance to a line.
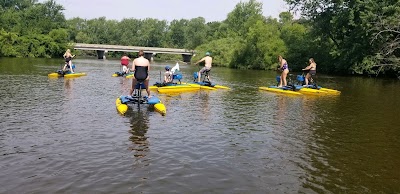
[168, 75]
[207, 67]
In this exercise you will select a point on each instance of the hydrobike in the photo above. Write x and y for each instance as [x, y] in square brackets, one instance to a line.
[285, 90]
[312, 88]
[66, 74]
[122, 102]
[297, 89]
[123, 74]
[205, 82]
[175, 86]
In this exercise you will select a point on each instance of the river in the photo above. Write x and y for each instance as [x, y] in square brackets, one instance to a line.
[65, 135]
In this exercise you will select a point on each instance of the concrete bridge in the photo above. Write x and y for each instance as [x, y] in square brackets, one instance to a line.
[102, 50]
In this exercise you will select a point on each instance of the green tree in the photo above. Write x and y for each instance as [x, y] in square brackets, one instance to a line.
[213, 31]
[285, 17]
[128, 30]
[17, 4]
[151, 33]
[31, 29]
[176, 33]
[196, 32]
[41, 18]
[348, 25]
[7, 40]
[297, 40]
[261, 48]
[222, 50]
[238, 19]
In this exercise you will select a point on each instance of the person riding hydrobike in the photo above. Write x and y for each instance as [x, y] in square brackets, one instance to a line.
[207, 67]
[168, 75]
[312, 70]
[141, 68]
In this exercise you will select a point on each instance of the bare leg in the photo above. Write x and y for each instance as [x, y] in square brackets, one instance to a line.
[70, 66]
[307, 77]
[284, 74]
[198, 76]
[133, 86]
[280, 81]
[65, 66]
[146, 84]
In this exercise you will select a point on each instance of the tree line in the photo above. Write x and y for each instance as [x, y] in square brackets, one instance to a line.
[344, 37]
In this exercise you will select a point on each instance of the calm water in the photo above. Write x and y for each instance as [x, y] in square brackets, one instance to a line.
[65, 136]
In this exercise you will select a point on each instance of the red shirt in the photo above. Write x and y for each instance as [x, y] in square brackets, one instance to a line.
[125, 61]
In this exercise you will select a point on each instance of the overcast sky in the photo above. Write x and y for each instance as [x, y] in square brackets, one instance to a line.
[211, 10]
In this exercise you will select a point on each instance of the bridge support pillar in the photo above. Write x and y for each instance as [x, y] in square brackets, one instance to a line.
[148, 56]
[186, 58]
[101, 54]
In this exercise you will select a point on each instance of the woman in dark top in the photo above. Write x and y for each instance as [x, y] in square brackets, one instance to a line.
[68, 60]
[141, 67]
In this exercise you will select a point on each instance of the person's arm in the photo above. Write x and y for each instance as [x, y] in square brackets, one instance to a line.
[281, 64]
[133, 66]
[307, 68]
[201, 60]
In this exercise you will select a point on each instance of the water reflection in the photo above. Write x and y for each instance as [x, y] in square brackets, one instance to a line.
[251, 141]
[125, 85]
[282, 108]
[68, 85]
[306, 109]
[204, 104]
[139, 120]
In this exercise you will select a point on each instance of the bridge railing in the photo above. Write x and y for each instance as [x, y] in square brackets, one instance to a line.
[103, 47]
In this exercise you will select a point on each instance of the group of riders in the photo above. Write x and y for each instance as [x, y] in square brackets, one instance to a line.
[141, 68]
[311, 70]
